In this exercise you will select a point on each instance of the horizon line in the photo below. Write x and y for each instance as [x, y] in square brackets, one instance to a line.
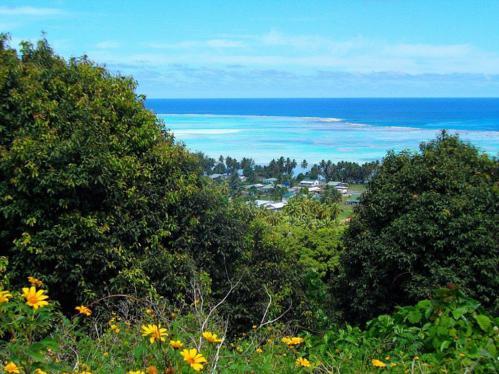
[321, 98]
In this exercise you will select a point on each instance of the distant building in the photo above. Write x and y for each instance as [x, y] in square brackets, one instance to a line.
[269, 180]
[339, 186]
[258, 186]
[309, 183]
[217, 176]
[314, 189]
[271, 205]
[277, 205]
[352, 202]
[268, 188]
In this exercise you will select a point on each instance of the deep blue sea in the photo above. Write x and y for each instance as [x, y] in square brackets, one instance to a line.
[315, 129]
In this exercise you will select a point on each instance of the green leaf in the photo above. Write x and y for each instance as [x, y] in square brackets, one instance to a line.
[424, 304]
[483, 321]
[414, 316]
[445, 344]
[459, 312]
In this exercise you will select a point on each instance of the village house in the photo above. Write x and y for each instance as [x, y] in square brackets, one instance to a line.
[339, 186]
[218, 176]
[314, 189]
[269, 180]
[309, 183]
[257, 186]
[271, 205]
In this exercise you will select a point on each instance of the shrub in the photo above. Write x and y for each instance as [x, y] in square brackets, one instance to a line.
[448, 333]
[426, 220]
[95, 196]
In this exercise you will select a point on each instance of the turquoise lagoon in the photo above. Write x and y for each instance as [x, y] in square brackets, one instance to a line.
[312, 138]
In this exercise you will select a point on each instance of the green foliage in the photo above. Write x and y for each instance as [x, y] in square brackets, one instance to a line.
[440, 334]
[426, 220]
[95, 197]
[25, 334]
[304, 241]
[99, 202]
[448, 333]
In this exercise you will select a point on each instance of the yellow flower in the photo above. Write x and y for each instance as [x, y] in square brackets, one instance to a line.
[115, 329]
[193, 358]
[34, 298]
[387, 358]
[176, 344]
[5, 296]
[11, 368]
[155, 332]
[378, 363]
[259, 350]
[212, 338]
[105, 354]
[136, 372]
[35, 281]
[290, 341]
[303, 362]
[82, 309]
[40, 371]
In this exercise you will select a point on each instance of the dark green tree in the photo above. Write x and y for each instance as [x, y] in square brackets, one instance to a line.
[427, 219]
[330, 195]
[95, 196]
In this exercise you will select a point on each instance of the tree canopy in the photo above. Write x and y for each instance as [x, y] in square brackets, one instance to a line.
[96, 195]
[427, 219]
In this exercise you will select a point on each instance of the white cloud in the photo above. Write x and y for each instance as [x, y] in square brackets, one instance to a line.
[29, 11]
[311, 53]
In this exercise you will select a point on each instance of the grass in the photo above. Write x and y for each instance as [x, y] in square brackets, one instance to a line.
[346, 211]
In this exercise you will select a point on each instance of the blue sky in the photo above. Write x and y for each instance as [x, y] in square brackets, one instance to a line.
[331, 48]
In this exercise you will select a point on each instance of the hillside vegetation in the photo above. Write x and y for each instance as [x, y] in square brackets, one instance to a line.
[117, 255]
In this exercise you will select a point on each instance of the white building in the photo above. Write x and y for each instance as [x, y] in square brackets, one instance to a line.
[270, 180]
[271, 205]
[339, 186]
[309, 183]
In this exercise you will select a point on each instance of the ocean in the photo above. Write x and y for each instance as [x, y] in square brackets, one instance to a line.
[331, 129]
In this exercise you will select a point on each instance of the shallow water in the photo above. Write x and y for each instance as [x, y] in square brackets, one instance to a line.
[354, 129]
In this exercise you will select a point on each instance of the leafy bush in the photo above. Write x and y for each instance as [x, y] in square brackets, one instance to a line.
[426, 220]
[293, 253]
[449, 333]
[95, 197]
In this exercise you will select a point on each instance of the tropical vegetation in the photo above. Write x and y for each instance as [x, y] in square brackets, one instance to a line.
[119, 255]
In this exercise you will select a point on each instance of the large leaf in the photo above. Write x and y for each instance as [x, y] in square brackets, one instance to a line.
[414, 316]
[483, 321]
